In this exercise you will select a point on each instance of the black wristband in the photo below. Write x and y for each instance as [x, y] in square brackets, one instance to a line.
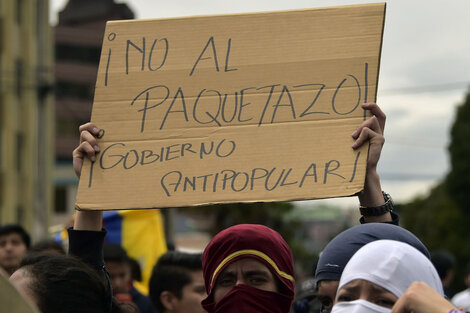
[380, 209]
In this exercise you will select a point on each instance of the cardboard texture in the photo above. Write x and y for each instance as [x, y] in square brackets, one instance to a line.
[232, 108]
[11, 299]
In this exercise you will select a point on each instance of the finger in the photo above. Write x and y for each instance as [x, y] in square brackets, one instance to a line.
[90, 127]
[368, 134]
[86, 136]
[371, 123]
[400, 305]
[377, 112]
[77, 166]
[84, 149]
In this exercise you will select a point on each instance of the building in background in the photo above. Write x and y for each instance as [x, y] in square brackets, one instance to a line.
[26, 114]
[78, 38]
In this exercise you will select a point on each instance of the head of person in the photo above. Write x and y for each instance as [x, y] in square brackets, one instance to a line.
[340, 249]
[444, 262]
[248, 268]
[176, 284]
[381, 272]
[61, 284]
[14, 243]
[118, 266]
[47, 246]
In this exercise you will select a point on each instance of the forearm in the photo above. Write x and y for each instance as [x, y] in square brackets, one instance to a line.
[86, 239]
[88, 220]
[372, 196]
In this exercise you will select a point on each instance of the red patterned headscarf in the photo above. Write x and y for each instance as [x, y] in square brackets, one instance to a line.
[249, 241]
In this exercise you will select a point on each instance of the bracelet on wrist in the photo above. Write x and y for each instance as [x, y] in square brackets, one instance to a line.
[380, 209]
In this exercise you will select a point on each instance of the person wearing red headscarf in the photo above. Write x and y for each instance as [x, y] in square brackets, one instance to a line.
[248, 268]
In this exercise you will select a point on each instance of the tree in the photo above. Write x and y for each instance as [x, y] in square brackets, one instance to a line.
[458, 180]
[441, 220]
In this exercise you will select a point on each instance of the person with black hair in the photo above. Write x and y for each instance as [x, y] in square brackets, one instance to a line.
[59, 284]
[444, 262]
[86, 240]
[341, 248]
[14, 243]
[177, 284]
[119, 268]
[65, 284]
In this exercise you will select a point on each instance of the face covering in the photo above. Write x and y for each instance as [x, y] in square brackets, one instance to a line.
[247, 299]
[392, 265]
[359, 306]
[249, 241]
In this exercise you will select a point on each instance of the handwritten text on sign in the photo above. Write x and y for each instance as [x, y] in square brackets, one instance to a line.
[236, 108]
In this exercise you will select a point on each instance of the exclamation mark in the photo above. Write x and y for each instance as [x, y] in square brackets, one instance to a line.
[111, 37]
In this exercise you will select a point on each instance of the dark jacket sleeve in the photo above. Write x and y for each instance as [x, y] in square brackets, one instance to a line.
[87, 245]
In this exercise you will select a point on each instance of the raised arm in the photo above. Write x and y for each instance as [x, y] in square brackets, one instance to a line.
[86, 220]
[372, 131]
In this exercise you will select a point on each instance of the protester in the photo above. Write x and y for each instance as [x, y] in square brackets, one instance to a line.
[65, 284]
[119, 268]
[248, 268]
[381, 272]
[306, 298]
[462, 299]
[14, 243]
[340, 249]
[444, 262]
[177, 284]
[375, 206]
[86, 240]
[61, 284]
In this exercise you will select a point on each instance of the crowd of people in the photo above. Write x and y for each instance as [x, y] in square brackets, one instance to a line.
[376, 266]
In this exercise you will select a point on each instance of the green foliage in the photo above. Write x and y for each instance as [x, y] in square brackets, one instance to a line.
[442, 219]
[436, 220]
[458, 180]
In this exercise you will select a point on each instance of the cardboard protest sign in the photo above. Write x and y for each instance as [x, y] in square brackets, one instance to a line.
[11, 299]
[232, 108]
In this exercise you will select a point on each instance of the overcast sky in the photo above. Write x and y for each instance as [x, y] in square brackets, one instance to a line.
[424, 75]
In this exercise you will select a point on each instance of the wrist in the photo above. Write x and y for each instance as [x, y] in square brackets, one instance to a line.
[371, 195]
[378, 210]
[88, 220]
